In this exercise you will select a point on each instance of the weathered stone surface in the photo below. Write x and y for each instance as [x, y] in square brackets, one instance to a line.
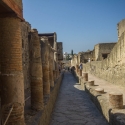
[102, 49]
[85, 76]
[25, 29]
[12, 84]
[60, 50]
[99, 90]
[51, 59]
[45, 119]
[90, 82]
[112, 68]
[116, 100]
[73, 106]
[45, 65]
[36, 72]
[113, 116]
[80, 72]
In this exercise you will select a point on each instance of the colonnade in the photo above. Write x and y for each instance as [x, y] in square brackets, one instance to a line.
[11, 77]
[42, 75]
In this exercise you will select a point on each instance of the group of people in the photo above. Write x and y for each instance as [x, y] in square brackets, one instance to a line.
[70, 69]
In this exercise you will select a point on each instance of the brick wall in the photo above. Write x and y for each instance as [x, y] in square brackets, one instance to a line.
[60, 50]
[25, 29]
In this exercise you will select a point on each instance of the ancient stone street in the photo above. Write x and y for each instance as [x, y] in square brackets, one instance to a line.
[73, 105]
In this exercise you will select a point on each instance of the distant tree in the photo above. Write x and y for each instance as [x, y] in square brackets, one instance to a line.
[68, 57]
[72, 52]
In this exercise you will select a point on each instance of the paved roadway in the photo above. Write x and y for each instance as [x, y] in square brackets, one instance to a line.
[74, 107]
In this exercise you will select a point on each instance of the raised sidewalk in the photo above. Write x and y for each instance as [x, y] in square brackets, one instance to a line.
[113, 116]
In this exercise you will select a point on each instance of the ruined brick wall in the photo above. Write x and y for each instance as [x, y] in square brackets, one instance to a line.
[102, 48]
[75, 60]
[51, 41]
[111, 69]
[121, 27]
[96, 48]
[84, 56]
[25, 29]
[60, 50]
[79, 58]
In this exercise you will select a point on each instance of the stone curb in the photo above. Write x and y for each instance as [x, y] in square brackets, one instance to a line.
[113, 116]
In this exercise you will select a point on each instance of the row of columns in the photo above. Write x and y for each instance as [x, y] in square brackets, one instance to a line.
[11, 77]
[36, 72]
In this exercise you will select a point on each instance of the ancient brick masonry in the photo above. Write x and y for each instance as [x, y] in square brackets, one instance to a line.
[12, 83]
[36, 72]
[26, 63]
[45, 66]
[56, 65]
[51, 57]
[25, 29]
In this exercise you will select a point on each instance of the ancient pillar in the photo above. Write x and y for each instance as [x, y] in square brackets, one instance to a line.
[80, 72]
[116, 100]
[51, 66]
[90, 83]
[99, 90]
[45, 66]
[77, 69]
[36, 72]
[57, 66]
[85, 76]
[12, 81]
[54, 75]
[52, 57]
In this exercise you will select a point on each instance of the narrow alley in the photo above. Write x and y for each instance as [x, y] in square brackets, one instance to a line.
[73, 106]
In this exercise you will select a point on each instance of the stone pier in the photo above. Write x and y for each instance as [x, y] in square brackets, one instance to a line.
[51, 66]
[12, 81]
[45, 66]
[54, 75]
[36, 72]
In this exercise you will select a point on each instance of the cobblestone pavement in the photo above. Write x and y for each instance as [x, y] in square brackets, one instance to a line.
[74, 107]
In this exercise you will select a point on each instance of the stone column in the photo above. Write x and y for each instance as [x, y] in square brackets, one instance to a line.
[85, 76]
[77, 69]
[51, 66]
[57, 65]
[56, 68]
[54, 75]
[45, 66]
[116, 100]
[52, 57]
[80, 72]
[90, 82]
[99, 90]
[12, 81]
[36, 72]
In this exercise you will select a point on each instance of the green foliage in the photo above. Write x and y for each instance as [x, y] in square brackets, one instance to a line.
[68, 57]
[72, 52]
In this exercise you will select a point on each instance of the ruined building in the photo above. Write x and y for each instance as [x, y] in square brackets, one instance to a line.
[112, 67]
[108, 59]
[100, 52]
[29, 73]
[103, 78]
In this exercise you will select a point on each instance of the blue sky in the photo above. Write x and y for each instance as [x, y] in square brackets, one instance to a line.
[79, 24]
